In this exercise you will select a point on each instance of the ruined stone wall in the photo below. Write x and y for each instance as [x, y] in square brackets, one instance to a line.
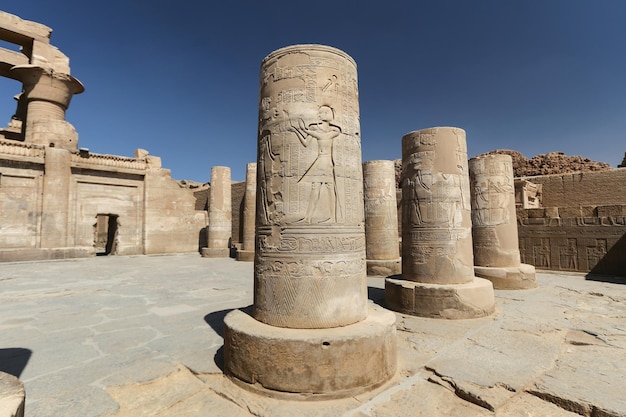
[582, 226]
[583, 188]
[172, 224]
[589, 239]
[50, 200]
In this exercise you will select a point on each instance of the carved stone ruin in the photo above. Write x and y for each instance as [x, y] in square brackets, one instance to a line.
[437, 259]
[12, 396]
[527, 194]
[494, 224]
[381, 218]
[311, 332]
[220, 214]
[246, 253]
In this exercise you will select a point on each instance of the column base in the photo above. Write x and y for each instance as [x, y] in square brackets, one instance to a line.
[521, 277]
[385, 268]
[12, 396]
[215, 252]
[450, 301]
[310, 364]
[245, 255]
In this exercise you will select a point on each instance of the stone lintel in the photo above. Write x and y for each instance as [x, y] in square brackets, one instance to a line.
[384, 268]
[444, 301]
[310, 364]
[519, 277]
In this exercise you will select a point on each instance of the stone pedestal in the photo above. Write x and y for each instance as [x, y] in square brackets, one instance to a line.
[246, 253]
[437, 257]
[311, 332]
[12, 396]
[381, 218]
[494, 224]
[220, 215]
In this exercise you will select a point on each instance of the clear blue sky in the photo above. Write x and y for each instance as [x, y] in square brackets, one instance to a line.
[181, 79]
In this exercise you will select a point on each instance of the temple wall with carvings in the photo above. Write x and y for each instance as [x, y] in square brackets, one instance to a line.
[53, 203]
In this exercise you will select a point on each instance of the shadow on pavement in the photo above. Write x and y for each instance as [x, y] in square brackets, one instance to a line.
[14, 360]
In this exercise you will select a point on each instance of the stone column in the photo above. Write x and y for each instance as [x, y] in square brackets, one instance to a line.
[494, 224]
[47, 95]
[249, 215]
[220, 214]
[312, 330]
[437, 257]
[381, 218]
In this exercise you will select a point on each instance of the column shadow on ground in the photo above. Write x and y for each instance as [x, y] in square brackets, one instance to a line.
[14, 360]
[215, 319]
[376, 295]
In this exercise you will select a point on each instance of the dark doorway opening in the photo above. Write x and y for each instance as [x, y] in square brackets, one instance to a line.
[106, 234]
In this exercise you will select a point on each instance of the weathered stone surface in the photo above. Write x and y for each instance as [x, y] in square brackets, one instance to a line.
[437, 256]
[446, 301]
[246, 253]
[494, 224]
[327, 363]
[62, 311]
[310, 269]
[219, 233]
[381, 218]
[12, 396]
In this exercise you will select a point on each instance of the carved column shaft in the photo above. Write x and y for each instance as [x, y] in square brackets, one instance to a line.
[493, 211]
[436, 211]
[310, 267]
[249, 208]
[220, 214]
[495, 235]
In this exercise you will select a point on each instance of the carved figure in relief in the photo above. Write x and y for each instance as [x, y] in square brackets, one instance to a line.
[323, 203]
[568, 255]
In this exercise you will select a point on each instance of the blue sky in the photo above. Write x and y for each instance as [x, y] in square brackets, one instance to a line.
[181, 79]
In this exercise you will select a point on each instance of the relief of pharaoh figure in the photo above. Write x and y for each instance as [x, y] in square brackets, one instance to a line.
[323, 203]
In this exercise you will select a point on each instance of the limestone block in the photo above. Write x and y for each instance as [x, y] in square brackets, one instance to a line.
[320, 363]
[12, 396]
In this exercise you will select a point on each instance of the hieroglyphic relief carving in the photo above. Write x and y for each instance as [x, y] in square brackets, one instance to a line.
[541, 253]
[436, 225]
[568, 255]
[596, 253]
[310, 195]
[381, 214]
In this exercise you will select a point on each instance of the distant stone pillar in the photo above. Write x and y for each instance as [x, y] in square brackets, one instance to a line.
[494, 224]
[47, 95]
[312, 330]
[381, 218]
[249, 215]
[220, 214]
[437, 258]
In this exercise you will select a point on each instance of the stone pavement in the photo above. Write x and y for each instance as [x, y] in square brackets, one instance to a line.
[141, 336]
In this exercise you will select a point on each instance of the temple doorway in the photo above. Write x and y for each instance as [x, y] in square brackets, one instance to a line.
[106, 234]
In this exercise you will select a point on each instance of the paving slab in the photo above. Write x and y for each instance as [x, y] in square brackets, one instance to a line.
[142, 335]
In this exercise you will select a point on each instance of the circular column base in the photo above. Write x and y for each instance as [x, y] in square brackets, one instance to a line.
[310, 364]
[245, 255]
[12, 396]
[215, 252]
[521, 277]
[450, 301]
[384, 268]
